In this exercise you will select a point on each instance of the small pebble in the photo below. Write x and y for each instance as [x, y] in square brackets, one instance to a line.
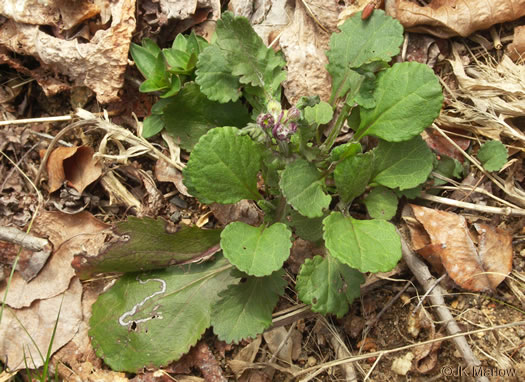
[181, 203]
[175, 217]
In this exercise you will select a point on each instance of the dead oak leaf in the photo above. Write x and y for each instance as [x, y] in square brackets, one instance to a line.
[75, 165]
[447, 18]
[70, 235]
[447, 236]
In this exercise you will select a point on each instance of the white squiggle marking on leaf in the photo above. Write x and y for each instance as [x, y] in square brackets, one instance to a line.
[133, 310]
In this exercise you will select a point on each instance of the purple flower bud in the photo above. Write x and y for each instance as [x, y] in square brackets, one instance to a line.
[294, 114]
[265, 120]
[293, 127]
[282, 131]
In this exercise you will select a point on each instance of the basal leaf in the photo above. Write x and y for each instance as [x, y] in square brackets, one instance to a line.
[144, 58]
[367, 245]
[257, 251]
[215, 77]
[144, 244]
[345, 150]
[402, 165]
[245, 54]
[152, 125]
[493, 155]
[191, 114]
[245, 309]
[381, 203]
[408, 98]
[302, 185]
[328, 285]
[151, 319]
[352, 175]
[361, 42]
[223, 167]
[321, 113]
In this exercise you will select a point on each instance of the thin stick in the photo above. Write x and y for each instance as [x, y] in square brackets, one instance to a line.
[507, 211]
[37, 120]
[23, 239]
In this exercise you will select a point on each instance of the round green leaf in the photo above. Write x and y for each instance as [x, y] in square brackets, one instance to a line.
[403, 164]
[493, 155]
[223, 167]
[257, 251]
[408, 99]
[328, 285]
[352, 176]
[381, 203]
[301, 184]
[367, 245]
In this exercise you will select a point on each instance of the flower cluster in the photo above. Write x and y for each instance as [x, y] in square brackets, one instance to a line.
[282, 123]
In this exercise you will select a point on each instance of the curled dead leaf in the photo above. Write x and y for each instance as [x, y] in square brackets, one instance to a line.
[75, 165]
[447, 18]
[447, 236]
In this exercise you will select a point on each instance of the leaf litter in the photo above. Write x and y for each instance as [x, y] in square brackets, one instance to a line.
[484, 236]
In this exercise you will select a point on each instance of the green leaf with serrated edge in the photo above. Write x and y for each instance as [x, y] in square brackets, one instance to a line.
[306, 101]
[152, 125]
[310, 229]
[344, 151]
[367, 245]
[302, 185]
[245, 309]
[223, 167]
[249, 59]
[214, 76]
[144, 244]
[381, 203]
[352, 175]
[328, 285]
[402, 165]
[191, 114]
[365, 95]
[257, 251]
[493, 155]
[321, 113]
[361, 42]
[408, 99]
[162, 313]
[144, 59]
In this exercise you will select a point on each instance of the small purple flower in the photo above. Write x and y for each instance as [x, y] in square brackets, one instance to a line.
[265, 120]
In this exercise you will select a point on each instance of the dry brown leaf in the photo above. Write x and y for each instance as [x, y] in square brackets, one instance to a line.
[447, 18]
[70, 235]
[517, 48]
[164, 172]
[243, 211]
[75, 165]
[39, 321]
[99, 64]
[442, 146]
[304, 43]
[244, 359]
[475, 269]
[274, 339]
